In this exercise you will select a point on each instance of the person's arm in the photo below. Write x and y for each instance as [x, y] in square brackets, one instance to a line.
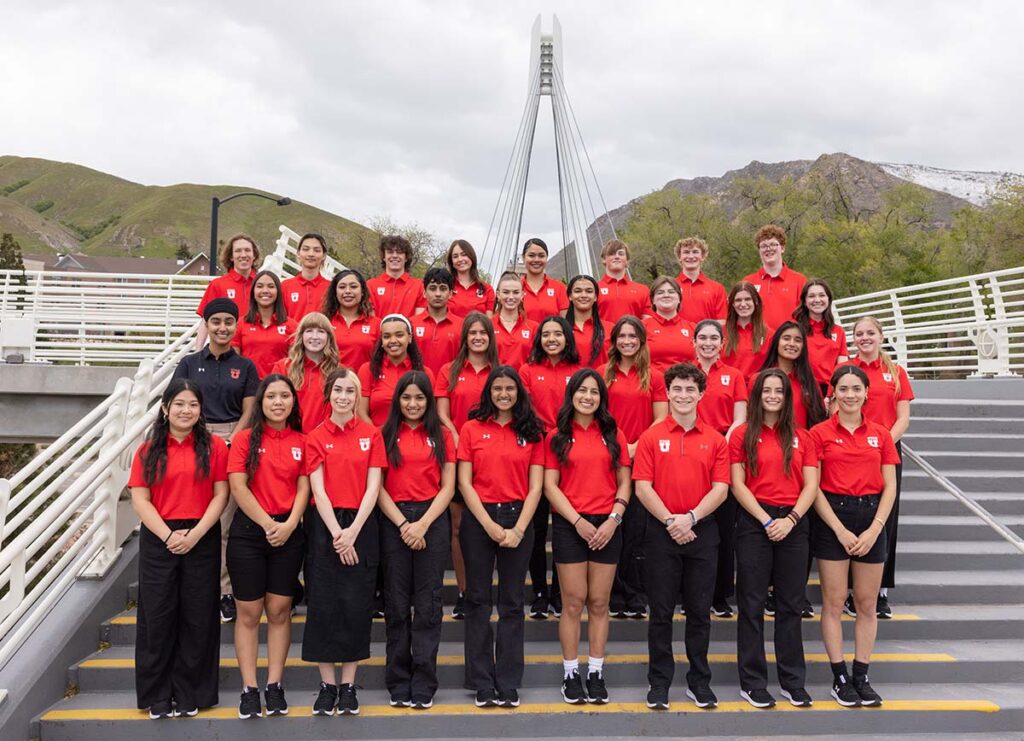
[211, 517]
[444, 411]
[474, 505]
[739, 416]
[345, 543]
[279, 532]
[866, 539]
[363, 409]
[437, 508]
[781, 528]
[246, 501]
[201, 336]
[561, 504]
[142, 503]
[744, 495]
[660, 411]
[899, 428]
[248, 403]
[536, 489]
[607, 529]
[323, 503]
[847, 539]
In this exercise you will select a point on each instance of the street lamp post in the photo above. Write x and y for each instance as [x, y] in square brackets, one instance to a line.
[215, 206]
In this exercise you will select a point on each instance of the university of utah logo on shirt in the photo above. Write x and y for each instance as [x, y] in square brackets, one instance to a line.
[604, 291]
[757, 287]
[835, 337]
[664, 445]
[297, 454]
[796, 443]
[364, 444]
[366, 329]
[887, 377]
[684, 332]
[526, 334]
[551, 291]
[521, 442]
[420, 331]
[380, 290]
[873, 441]
[295, 298]
[236, 373]
[231, 293]
[726, 378]
[281, 329]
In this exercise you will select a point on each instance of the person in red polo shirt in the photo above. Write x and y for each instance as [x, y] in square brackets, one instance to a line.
[312, 357]
[669, 334]
[788, 352]
[179, 486]
[826, 340]
[746, 334]
[305, 292]
[266, 332]
[513, 332]
[775, 481]
[857, 472]
[496, 530]
[703, 298]
[586, 480]
[268, 480]
[344, 459]
[542, 296]
[395, 354]
[437, 330]
[395, 291]
[469, 291]
[239, 258]
[636, 399]
[356, 330]
[619, 295]
[415, 538]
[681, 470]
[589, 330]
[778, 285]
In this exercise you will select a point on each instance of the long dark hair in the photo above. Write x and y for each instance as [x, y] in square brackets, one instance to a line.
[258, 421]
[785, 427]
[431, 420]
[331, 304]
[732, 320]
[468, 251]
[413, 350]
[460, 357]
[809, 389]
[569, 355]
[154, 460]
[802, 315]
[561, 443]
[597, 340]
[280, 313]
[642, 360]
[524, 419]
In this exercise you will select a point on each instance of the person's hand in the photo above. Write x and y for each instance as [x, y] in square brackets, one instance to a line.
[414, 531]
[496, 532]
[779, 529]
[602, 535]
[278, 533]
[344, 540]
[512, 539]
[865, 541]
[680, 528]
[348, 556]
[847, 539]
[178, 543]
[585, 529]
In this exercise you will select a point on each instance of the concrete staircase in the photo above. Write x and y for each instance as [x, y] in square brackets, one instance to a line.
[951, 661]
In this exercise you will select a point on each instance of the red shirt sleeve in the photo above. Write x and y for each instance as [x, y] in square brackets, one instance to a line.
[314, 454]
[720, 466]
[537, 453]
[742, 392]
[841, 341]
[137, 478]
[378, 453]
[809, 458]
[464, 452]
[889, 454]
[658, 391]
[449, 445]
[816, 443]
[906, 392]
[364, 379]
[623, 448]
[280, 366]
[737, 453]
[551, 461]
[239, 452]
[643, 460]
[443, 379]
[218, 459]
[208, 296]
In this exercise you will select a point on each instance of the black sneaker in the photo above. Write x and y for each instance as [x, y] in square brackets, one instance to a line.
[555, 605]
[620, 611]
[326, 699]
[422, 703]
[228, 611]
[378, 607]
[249, 706]
[868, 697]
[459, 610]
[657, 698]
[274, 696]
[849, 607]
[596, 691]
[572, 689]
[348, 703]
[769, 604]
[508, 698]
[702, 696]
[638, 610]
[486, 699]
[845, 693]
[188, 712]
[807, 611]
[882, 609]
[682, 610]
[798, 698]
[758, 698]
[397, 701]
[159, 710]
[722, 609]
[539, 608]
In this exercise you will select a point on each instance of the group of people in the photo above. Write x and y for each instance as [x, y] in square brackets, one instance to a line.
[338, 440]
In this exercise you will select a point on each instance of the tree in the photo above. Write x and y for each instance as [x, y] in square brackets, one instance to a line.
[10, 253]
[427, 249]
[183, 253]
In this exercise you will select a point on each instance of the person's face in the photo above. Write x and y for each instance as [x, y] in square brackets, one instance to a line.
[183, 411]
[773, 395]
[708, 343]
[791, 343]
[476, 339]
[504, 394]
[535, 259]
[460, 260]
[583, 295]
[394, 259]
[437, 295]
[850, 393]
[412, 403]
[816, 301]
[349, 292]
[867, 338]
[344, 396]
[552, 339]
[743, 304]
[395, 338]
[265, 292]
[616, 261]
[311, 254]
[666, 299]
[510, 294]
[691, 258]
[278, 402]
[770, 250]
[314, 339]
[243, 252]
[628, 341]
[683, 395]
[221, 328]
[587, 397]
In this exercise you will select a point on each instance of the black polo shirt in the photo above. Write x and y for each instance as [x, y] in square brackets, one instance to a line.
[224, 381]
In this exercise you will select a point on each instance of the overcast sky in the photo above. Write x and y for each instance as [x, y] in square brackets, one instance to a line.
[410, 108]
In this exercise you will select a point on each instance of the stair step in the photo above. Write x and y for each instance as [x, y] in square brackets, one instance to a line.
[940, 502]
[998, 480]
[985, 460]
[956, 425]
[964, 441]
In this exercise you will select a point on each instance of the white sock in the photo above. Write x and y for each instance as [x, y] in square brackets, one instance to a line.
[595, 666]
[883, 592]
[569, 666]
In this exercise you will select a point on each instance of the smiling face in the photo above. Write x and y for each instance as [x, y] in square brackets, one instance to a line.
[773, 395]
[535, 259]
[412, 403]
[587, 398]
[708, 343]
[690, 258]
[510, 294]
[314, 340]
[278, 402]
[743, 305]
[628, 341]
[349, 292]
[667, 299]
[504, 394]
[243, 253]
[867, 338]
[221, 329]
[395, 339]
[344, 396]
[476, 338]
[771, 251]
[311, 254]
[183, 412]
[583, 295]
[552, 339]
[851, 393]
[394, 259]
[461, 262]
[791, 344]
[683, 395]
[265, 292]
[616, 261]
[816, 302]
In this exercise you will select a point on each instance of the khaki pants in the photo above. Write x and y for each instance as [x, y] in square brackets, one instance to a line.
[223, 430]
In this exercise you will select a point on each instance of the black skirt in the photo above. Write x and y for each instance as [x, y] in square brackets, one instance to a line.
[339, 598]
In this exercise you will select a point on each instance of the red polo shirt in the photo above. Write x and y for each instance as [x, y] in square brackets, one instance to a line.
[264, 346]
[379, 390]
[772, 485]
[585, 335]
[617, 297]
[230, 285]
[851, 463]
[438, 341]
[744, 357]
[280, 465]
[418, 479]
[632, 407]
[468, 388]
[347, 453]
[799, 408]
[670, 341]
[477, 297]
[514, 345]
[180, 495]
[302, 296]
[401, 295]
[312, 405]
[703, 298]
[779, 295]
[680, 465]
[483, 443]
[551, 299]
[822, 350]
[356, 340]
[725, 386]
[546, 384]
[882, 397]
[587, 478]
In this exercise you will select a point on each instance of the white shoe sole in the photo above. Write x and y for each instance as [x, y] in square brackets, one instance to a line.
[759, 705]
[845, 704]
[349, 712]
[794, 703]
[702, 705]
[322, 713]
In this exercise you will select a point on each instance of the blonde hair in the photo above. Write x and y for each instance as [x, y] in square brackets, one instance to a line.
[642, 361]
[512, 276]
[297, 352]
[691, 242]
[337, 374]
[227, 255]
[890, 366]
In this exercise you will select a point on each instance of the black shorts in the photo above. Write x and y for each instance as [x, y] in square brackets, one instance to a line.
[568, 547]
[856, 514]
[256, 567]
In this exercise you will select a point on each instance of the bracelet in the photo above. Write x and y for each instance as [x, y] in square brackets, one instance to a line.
[794, 518]
[518, 532]
[168, 537]
[616, 518]
[577, 522]
[620, 500]
[797, 515]
[402, 524]
[770, 521]
[880, 523]
[693, 518]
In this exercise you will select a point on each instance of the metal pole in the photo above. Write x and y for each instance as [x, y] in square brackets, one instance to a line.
[214, 206]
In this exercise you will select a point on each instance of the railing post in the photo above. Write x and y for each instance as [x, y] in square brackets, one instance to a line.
[5, 498]
[992, 343]
[899, 343]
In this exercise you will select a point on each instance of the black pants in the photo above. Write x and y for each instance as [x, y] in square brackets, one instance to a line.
[413, 586]
[628, 587]
[891, 527]
[761, 562]
[177, 639]
[494, 664]
[725, 581]
[539, 555]
[672, 568]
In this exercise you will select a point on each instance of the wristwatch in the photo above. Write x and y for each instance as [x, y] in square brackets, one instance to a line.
[669, 520]
[615, 516]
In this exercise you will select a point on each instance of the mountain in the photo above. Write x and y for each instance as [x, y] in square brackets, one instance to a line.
[973, 186]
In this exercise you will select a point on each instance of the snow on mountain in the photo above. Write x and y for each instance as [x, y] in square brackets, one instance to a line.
[976, 187]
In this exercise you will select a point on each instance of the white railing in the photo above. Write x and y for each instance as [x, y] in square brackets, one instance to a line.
[284, 260]
[971, 326]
